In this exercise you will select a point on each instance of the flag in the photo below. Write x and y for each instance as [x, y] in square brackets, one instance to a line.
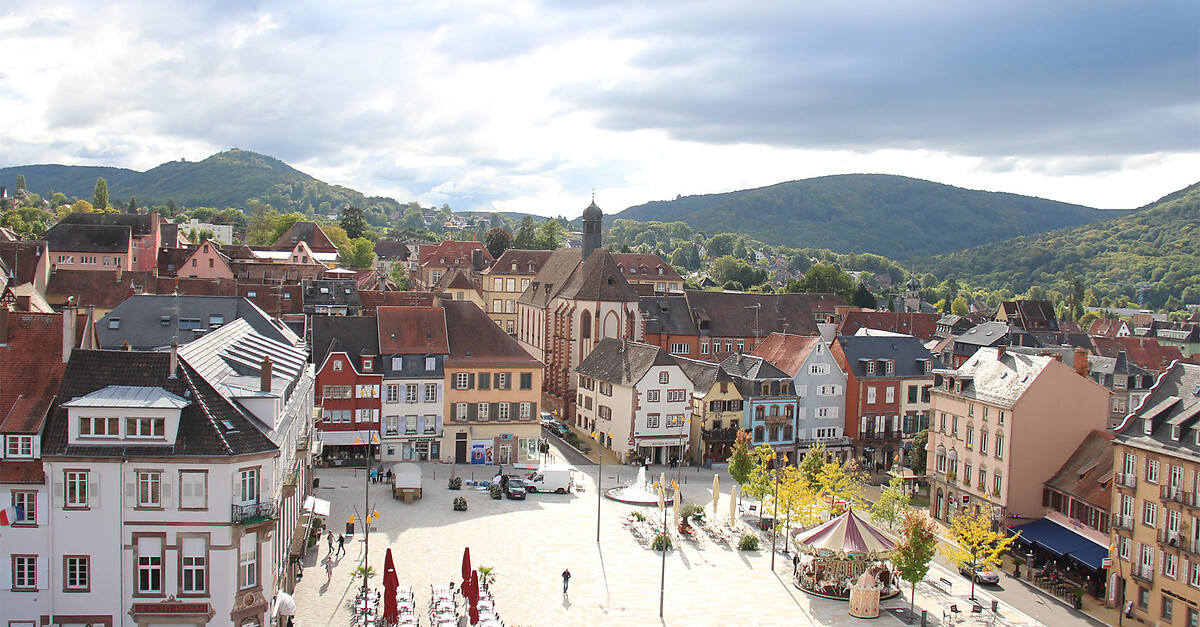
[10, 515]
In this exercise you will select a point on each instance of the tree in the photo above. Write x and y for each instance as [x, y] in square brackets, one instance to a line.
[728, 268]
[679, 259]
[20, 182]
[914, 551]
[100, 195]
[977, 546]
[916, 455]
[497, 240]
[740, 463]
[81, 206]
[721, 245]
[359, 254]
[353, 221]
[825, 278]
[840, 482]
[526, 238]
[337, 235]
[760, 483]
[132, 205]
[862, 297]
[398, 275]
[959, 307]
[892, 503]
[550, 235]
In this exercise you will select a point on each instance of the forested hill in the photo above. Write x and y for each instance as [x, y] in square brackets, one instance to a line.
[1157, 246]
[894, 216]
[226, 179]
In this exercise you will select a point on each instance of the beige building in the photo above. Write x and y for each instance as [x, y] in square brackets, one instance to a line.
[1156, 503]
[1000, 426]
[504, 282]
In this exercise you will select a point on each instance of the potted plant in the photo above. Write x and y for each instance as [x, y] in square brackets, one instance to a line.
[1077, 597]
[496, 491]
[661, 542]
[638, 516]
[748, 542]
[460, 504]
[1017, 564]
[455, 483]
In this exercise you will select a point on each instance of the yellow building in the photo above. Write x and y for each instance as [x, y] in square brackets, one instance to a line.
[716, 410]
[504, 282]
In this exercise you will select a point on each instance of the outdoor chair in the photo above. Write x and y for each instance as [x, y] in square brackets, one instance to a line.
[952, 613]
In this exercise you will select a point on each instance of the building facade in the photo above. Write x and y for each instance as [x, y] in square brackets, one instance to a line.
[820, 386]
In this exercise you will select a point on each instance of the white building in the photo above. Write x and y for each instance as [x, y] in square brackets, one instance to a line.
[221, 232]
[413, 345]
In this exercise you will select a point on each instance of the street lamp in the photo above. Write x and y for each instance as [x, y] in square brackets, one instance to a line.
[367, 514]
[598, 437]
[775, 518]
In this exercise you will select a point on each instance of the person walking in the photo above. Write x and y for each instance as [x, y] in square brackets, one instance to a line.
[330, 536]
[374, 475]
[566, 580]
[328, 568]
[341, 544]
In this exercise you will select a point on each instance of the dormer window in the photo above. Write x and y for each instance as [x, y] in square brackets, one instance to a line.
[660, 272]
[114, 323]
[928, 366]
[1148, 426]
[368, 363]
[870, 367]
[1176, 432]
[145, 428]
[889, 367]
[99, 427]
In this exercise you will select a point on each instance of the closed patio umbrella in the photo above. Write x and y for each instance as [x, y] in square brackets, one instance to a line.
[466, 565]
[390, 583]
[733, 501]
[716, 494]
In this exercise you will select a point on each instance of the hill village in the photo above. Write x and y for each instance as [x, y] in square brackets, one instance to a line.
[194, 432]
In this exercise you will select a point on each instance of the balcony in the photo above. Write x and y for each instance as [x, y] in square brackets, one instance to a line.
[253, 513]
[1172, 493]
[881, 435]
[1126, 480]
[727, 434]
[1191, 546]
[303, 444]
[1122, 523]
[1143, 572]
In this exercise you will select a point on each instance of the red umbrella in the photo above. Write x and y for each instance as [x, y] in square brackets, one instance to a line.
[466, 565]
[473, 598]
[390, 583]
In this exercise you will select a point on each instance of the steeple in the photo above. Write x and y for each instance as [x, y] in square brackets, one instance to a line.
[592, 219]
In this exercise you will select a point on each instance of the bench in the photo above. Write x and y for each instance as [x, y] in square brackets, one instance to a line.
[945, 584]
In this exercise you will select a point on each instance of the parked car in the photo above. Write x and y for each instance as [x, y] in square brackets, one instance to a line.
[557, 428]
[514, 488]
[981, 575]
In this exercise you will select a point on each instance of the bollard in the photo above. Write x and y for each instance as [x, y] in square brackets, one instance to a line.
[924, 618]
[995, 605]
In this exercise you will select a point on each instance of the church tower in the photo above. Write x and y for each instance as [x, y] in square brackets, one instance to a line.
[592, 217]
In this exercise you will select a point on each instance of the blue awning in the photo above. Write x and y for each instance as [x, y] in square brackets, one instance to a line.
[1061, 541]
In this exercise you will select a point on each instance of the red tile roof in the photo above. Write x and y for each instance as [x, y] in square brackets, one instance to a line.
[31, 364]
[647, 266]
[1105, 327]
[30, 472]
[523, 259]
[28, 414]
[1143, 351]
[786, 351]
[372, 300]
[915, 324]
[410, 330]
[103, 288]
[455, 254]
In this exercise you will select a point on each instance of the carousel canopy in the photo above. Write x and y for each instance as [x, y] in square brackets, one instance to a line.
[846, 534]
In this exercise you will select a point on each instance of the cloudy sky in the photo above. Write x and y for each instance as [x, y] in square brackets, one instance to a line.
[528, 106]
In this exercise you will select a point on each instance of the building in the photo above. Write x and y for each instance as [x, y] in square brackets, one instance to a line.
[105, 241]
[458, 284]
[650, 270]
[437, 259]
[1128, 382]
[714, 325]
[881, 373]
[349, 385]
[492, 390]
[505, 281]
[223, 233]
[986, 335]
[717, 410]
[1002, 424]
[770, 402]
[820, 386]
[1145, 352]
[637, 398]
[1156, 502]
[920, 325]
[147, 322]
[1035, 319]
[414, 346]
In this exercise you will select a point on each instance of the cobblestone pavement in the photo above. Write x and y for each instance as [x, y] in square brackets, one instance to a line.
[615, 582]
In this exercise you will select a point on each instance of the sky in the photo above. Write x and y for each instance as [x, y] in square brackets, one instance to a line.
[533, 106]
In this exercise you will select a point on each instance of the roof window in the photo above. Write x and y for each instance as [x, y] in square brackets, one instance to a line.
[114, 323]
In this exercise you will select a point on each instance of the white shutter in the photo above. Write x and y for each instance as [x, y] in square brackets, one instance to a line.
[130, 489]
[237, 487]
[93, 492]
[802, 390]
[166, 490]
[58, 493]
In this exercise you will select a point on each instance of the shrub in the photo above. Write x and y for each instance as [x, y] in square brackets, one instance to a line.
[496, 491]
[690, 511]
[749, 542]
[460, 504]
[661, 542]
[455, 483]
[638, 516]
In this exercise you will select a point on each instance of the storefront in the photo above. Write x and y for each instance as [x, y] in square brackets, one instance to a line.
[413, 449]
[660, 449]
[347, 448]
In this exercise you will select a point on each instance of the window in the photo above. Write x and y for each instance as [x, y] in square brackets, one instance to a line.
[460, 411]
[194, 564]
[430, 363]
[248, 561]
[76, 488]
[758, 433]
[970, 436]
[189, 323]
[890, 394]
[497, 305]
[248, 485]
[606, 388]
[18, 446]
[502, 410]
[967, 473]
[680, 349]
[704, 347]
[497, 284]
[114, 323]
[1001, 418]
[337, 365]
[145, 428]
[193, 490]
[1149, 513]
[1125, 549]
[870, 367]
[652, 396]
[26, 502]
[525, 282]
[676, 396]
[1152, 470]
[912, 393]
[983, 443]
[510, 285]
[482, 409]
[829, 432]
[674, 420]
[1168, 605]
[954, 425]
[254, 294]
[823, 412]
[410, 393]
[999, 446]
[870, 395]
[95, 427]
[997, 482]
[461, 381]
[1170, 565]
[818, 369]
[652, 421]
[526, 380]
[982, 477]
[392, 393]
[149, 566]
[24, 572]
[149, 488]
[1194, 576]
[503, 381]
[76, 573]
[664, 377]
[430, 392]
[526, 411]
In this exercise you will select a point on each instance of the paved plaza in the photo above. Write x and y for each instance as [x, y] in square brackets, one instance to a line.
[615, 582]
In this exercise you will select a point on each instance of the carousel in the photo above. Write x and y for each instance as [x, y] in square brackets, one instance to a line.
[846, 559]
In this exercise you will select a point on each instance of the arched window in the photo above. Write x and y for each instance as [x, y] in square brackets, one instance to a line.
[758, 433]
[789, 411]
[759, 412]
[585, 324]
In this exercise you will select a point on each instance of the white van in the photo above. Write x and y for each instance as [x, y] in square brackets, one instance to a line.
[559, 479]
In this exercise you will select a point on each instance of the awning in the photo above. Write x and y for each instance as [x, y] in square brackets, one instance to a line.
[317, 506]
[1061, 541]
[658, 440]
[346, 438]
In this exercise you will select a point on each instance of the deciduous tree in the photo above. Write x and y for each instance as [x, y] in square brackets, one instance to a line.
[100, 195]
[893, 502]
[354, 223]
[977, 544]
[914, 551]
[497, 240]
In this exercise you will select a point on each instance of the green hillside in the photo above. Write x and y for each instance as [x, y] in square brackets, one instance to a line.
[226, 179]
[1157, 246]
[894, 216]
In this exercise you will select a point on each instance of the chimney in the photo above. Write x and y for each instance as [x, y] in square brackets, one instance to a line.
[68, 337]
[265, 380]
[3, 325]
[23, 302]
[174, 363]
[1001, 352]
[125, 346]
[1081, 361]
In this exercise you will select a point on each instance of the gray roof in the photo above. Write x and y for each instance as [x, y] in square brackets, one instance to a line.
[1173, 405]
[596, 279]
[332, 292]
[88, 238]
[667, 314]
[149, 321]
[354, 335]
[622, 363]
[129, 396]
[908, 353]
[986, 334]
[1000, 381]
[702, 374]
[752, 367]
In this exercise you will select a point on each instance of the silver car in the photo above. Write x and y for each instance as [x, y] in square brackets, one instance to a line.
[981, 575]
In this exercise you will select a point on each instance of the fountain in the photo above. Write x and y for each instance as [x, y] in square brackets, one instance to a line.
[639, 492]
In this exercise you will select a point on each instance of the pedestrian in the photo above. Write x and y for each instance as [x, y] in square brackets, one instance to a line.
[374, 475]
[566, 580]
[389, 476]
[341, 544]
[328, 568]
[330, 543]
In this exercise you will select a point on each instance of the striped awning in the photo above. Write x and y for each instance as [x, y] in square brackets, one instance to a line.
[845, 534]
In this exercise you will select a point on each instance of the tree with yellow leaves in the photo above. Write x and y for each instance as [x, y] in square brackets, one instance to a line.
[978, 545]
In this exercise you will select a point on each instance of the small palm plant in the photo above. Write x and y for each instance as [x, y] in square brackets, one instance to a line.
[487, 576]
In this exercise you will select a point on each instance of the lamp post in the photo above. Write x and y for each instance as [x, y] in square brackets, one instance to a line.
[367, 439]
[599, 478]
[775, 517]
[662, 577]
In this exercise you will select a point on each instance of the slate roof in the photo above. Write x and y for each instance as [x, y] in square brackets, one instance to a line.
[909, 354]
[1174, 401]
[88, 238]
[622, 363]
[337, 292]
[390, 249]
[354, 335]
[920, 325]
[413, 331]
[170, 260]
[102, 288]
[454, 279]
[308, 232]
[22, 258]
[1002, 380]
[786, 351]
[596, 279]
[1087, 473]
[141, 320]
[201, 429]
[522, 259]
[667, 314]
[702, 374]
[751, 367]
[476, 341]
[646, 266]
[986, 334]
[729, 314]
[140, 225]
[373, 300]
